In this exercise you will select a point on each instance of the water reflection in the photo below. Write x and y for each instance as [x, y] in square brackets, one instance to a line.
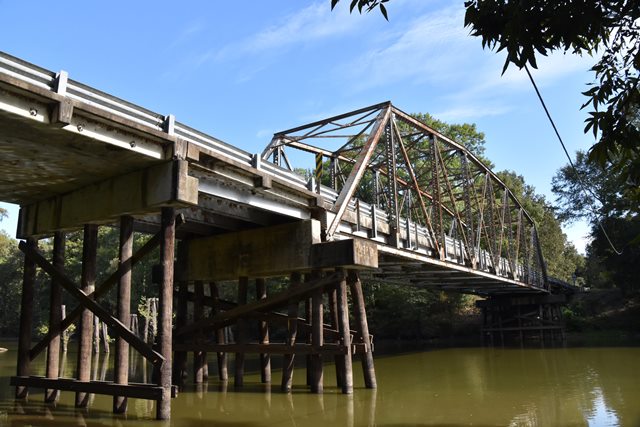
[473, 386]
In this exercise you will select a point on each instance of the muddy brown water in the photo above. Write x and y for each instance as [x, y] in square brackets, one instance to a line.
[439, 387]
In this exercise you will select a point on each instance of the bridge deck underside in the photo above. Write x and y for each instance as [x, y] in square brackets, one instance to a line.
[39, 160]
[408, 268]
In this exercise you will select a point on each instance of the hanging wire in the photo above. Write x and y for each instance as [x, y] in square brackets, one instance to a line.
[584, 187]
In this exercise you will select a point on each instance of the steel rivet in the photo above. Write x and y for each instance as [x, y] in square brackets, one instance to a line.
[132, 144]
[33, 112]
[80, 128]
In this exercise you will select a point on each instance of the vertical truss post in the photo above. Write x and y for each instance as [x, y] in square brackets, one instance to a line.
[437, 197]
[467, 186]
[493, 241]
[319, 171]
[333, 172]
[376, 187]
[408, 218]
[392, 184]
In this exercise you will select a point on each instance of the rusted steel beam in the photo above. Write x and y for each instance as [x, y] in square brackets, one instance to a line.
[358, 170]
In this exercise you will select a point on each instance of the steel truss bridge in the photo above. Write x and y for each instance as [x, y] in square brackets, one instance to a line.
[374, 192]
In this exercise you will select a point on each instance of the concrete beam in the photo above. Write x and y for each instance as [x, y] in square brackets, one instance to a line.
[274, 251]
[135, 193]
[261, 252]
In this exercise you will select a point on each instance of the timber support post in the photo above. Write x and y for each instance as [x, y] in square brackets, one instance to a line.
[55, 317]
[292, 332]
[121, 363]
[357, 296]
[26, 318]
[345, 333]
[168, 230]
[85, 332]
[263, 331]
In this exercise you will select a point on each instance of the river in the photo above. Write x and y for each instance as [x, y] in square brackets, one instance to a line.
[587, 386]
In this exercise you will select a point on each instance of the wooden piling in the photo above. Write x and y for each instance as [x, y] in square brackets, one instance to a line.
[198, 314]
[345, 334]
[121, 363]
[180, 357]
[85, 331]
[317, 340]
[263, 333]
[96, 335]
[26, 319]
[243, 285]
[363, 327]
[168, 230]
[292, 332]
[333, 314]
[55, 317]
[223, 373]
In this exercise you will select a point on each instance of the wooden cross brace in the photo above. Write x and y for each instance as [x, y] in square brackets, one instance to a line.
[103, 288]
[86, 302]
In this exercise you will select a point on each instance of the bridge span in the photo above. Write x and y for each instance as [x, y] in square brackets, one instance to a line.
[371, 194]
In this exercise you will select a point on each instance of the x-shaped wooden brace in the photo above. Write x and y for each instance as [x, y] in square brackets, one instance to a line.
[102, 289]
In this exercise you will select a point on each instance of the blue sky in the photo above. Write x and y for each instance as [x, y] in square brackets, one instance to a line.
[242, 70]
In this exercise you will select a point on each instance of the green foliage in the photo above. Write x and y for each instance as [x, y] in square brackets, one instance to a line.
[3, 214]
[525, 30]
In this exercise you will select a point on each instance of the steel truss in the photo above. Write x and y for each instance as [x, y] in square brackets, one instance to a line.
[385, 159]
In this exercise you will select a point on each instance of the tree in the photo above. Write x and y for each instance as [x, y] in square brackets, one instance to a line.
[561, 256]
[525, 29]
[608, 207]
[3, 214]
